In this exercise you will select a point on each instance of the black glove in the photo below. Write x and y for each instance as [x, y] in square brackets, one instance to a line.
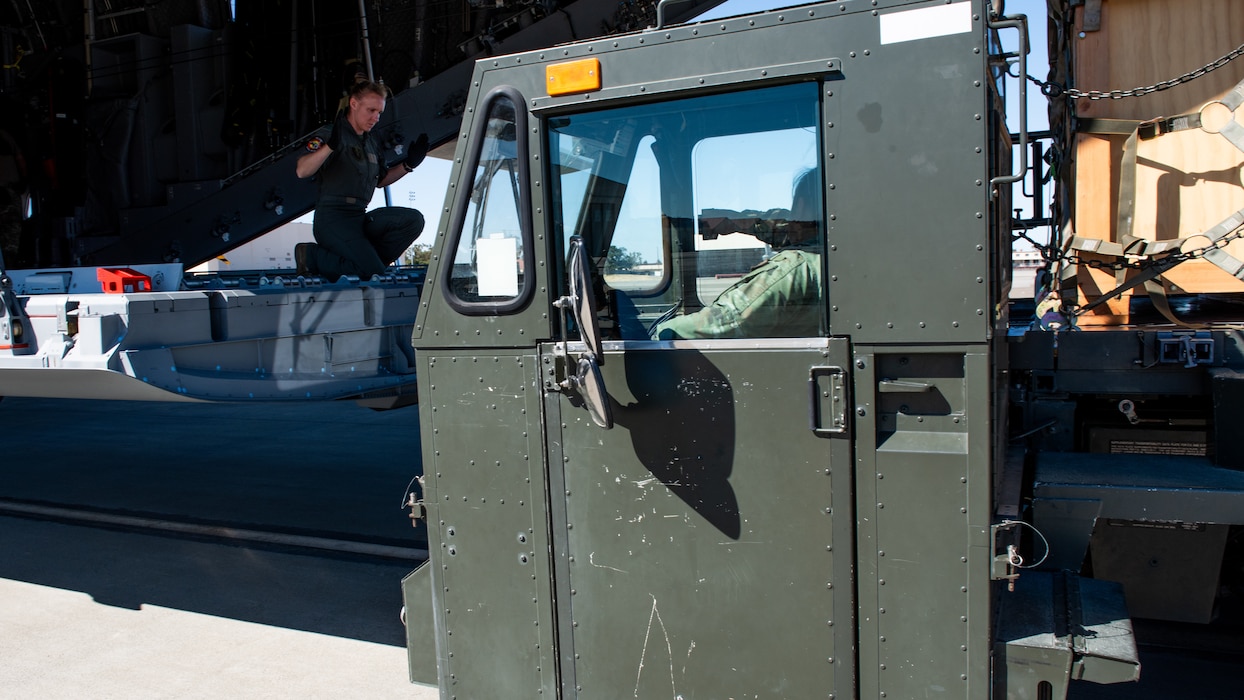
[334, 136]
[416, 152]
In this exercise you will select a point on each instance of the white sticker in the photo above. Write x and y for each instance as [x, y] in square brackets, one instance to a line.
[926, 23]
[496, 265]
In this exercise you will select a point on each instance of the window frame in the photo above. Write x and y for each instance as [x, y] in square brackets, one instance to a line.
[457, 219]
[669, 266]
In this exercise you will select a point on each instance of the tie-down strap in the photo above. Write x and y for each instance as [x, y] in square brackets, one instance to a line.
[1211, 119]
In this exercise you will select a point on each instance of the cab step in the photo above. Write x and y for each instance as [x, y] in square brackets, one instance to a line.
[1056, 627]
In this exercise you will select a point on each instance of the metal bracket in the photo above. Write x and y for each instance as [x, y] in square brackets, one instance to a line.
[1188, 349]
[1092, 16]
[557, 372]
[15, 329]
[1006, 560]
[418, 511]
[827, 387]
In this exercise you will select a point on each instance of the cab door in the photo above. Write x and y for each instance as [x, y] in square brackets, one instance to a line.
[701, 509]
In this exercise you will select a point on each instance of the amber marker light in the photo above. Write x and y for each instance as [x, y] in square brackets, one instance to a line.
[570, 77]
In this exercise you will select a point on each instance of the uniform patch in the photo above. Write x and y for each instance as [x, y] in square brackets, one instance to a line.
[314, 144]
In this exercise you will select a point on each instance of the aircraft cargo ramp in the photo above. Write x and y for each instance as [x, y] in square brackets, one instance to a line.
[257, 338]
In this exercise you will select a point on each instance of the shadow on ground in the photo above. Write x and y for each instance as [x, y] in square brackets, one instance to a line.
[334, 469]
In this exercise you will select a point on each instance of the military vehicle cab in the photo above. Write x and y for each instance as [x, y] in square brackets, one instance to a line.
[713, 368]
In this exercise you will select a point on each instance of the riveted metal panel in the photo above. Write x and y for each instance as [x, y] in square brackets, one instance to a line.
[923, 480]
[487, 533]
[906, 153]
[907, 157]
[708, 534]
[420, 620]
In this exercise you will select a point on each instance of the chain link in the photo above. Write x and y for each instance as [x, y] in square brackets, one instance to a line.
[1056, 90]
[1166, 261]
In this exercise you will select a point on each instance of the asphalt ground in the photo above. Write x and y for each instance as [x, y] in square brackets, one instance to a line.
[99, 610]
[91, 610]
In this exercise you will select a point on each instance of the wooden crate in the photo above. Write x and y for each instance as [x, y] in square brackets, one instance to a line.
[1186, 181]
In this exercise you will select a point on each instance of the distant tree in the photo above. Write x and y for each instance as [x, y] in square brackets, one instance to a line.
[622, 260]
[418, 255]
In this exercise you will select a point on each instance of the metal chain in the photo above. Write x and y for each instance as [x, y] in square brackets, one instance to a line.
[1056, 90]
[1166, 260]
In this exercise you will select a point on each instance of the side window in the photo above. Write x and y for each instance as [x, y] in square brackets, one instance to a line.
[703, 216]
[493, 253]
[744, 200]
[635, 261]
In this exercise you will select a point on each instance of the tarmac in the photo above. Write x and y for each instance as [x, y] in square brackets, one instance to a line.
[99, 611]
[119, 615]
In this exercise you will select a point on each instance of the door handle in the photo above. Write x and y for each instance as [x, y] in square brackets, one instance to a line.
[828, 397]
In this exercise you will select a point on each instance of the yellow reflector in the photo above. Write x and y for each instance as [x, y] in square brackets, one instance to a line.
[582, 75]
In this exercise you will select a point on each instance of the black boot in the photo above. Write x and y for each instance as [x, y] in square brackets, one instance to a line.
[302, 254]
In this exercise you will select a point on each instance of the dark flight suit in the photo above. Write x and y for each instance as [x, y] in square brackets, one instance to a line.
[352, 240]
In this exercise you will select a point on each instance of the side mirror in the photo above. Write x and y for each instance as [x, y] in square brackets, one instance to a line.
[586, 380]
[591, 386]
[582, 298]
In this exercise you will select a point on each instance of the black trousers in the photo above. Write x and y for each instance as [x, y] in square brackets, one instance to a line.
[353, 241]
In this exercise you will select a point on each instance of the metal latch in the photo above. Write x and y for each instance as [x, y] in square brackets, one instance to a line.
[560, 369]
[418, 511]
[828, 393]
[1007, 561]
[1188, 349]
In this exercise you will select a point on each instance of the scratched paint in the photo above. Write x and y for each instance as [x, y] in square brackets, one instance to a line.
[654, 615]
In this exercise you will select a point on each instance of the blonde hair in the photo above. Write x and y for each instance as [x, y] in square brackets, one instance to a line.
[368, 87]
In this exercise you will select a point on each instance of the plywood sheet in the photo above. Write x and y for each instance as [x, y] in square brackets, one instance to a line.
[1143, 42]
[1186, 181]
